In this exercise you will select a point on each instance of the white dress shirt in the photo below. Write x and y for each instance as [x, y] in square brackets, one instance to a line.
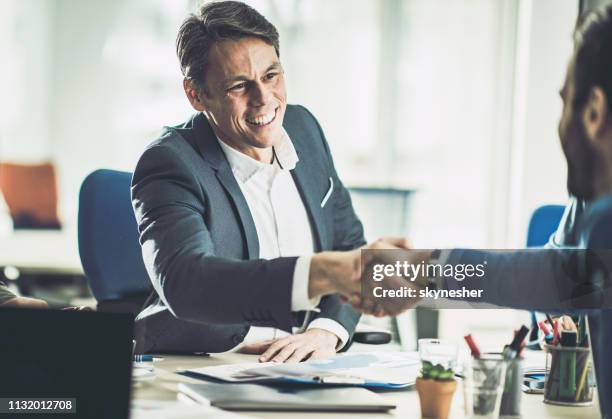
[282, 225]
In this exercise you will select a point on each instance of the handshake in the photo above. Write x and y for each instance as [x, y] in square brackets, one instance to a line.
[350, 274]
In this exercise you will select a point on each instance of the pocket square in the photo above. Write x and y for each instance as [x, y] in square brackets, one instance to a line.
[328, 193]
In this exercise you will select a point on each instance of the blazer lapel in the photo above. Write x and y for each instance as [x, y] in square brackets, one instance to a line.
[307, 183]
[211, 152]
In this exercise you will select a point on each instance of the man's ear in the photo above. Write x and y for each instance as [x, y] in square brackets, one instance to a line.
[193, 96]
[595, 113]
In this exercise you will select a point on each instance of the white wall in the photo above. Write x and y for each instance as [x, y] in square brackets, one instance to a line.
[538, 167]
[24, 116]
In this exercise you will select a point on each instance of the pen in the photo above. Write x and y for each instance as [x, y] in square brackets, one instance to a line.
[147, 358]
[473, 347]
[583, 376]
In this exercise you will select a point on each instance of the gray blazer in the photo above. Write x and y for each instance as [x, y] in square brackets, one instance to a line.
[200, 245]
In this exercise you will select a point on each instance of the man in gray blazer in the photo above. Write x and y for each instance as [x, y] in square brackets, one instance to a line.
[232, 204]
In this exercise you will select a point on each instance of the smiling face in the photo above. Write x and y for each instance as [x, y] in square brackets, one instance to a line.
[244, 97]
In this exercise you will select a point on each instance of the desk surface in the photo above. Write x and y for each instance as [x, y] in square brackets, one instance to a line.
[164, 386]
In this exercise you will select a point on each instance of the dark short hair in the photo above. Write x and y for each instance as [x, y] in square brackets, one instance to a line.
[593, 55]
[216, 22]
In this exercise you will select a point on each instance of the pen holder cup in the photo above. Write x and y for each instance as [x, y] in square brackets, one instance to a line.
[569, 379]
[483, 387]
[513, 391]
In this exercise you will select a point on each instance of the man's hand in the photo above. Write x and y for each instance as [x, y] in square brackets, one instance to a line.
[341, 272]
[386, 302]
[25, 302]
[312, 344]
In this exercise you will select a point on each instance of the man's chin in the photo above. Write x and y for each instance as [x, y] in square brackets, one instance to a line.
[268, 139]
[578, 190]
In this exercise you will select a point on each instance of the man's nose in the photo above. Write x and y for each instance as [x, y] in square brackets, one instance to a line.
[260, 94]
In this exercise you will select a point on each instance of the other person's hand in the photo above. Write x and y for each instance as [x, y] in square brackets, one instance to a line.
[381, 298]
[313, 344]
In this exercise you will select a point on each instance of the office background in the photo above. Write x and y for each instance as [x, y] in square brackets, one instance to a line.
[454, 99]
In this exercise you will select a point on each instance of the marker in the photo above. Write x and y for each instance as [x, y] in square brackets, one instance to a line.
[473, 347]
[510, 351]
[556, 334]
[548, 335]
[567, 361]
[147, 358]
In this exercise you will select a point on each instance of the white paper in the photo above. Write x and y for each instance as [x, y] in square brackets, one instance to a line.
[234, 373]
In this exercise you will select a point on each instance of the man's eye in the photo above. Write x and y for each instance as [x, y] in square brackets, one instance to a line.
[238, 86]
[270, 76]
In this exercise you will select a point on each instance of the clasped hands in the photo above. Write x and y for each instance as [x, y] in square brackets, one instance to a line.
[349, 274]
[343, 273]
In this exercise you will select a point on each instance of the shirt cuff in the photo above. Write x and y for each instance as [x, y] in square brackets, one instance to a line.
[333, 327]
[299, 292]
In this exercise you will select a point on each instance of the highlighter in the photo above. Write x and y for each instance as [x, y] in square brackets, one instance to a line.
[567, 364]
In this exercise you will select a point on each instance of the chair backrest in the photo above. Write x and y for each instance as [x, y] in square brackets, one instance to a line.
[30, 191]
[108, 237]
[543, 224]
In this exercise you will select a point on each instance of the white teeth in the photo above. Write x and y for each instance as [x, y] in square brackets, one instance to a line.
[261, 120]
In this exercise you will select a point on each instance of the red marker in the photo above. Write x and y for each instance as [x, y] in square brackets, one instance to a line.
[544, 328]
[473, 347]
[555, 332]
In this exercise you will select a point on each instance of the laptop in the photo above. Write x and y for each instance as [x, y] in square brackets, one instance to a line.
[286, 398]
[79, 361]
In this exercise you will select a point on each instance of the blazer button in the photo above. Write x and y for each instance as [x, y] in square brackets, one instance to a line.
[238, 339]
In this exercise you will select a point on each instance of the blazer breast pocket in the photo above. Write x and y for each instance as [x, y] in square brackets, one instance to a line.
[328, 194]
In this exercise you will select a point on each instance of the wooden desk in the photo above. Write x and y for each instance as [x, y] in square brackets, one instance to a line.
[163, 387]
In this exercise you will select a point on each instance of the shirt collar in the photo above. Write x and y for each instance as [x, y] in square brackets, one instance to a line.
[244, 167]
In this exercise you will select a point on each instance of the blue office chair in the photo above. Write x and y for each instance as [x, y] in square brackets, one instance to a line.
[108, 240]
[543, 223]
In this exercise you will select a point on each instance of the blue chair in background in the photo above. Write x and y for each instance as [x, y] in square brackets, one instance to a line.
[108, 242]
[543, 224]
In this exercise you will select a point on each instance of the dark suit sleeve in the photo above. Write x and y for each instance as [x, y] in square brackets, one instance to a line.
[179, 255]
[347, 234]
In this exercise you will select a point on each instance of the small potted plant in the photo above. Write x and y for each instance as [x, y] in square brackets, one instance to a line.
[436, 387]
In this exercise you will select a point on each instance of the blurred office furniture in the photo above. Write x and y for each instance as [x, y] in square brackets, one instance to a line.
[37, 254]
[108, 242]
[30, 192]
[543, 223]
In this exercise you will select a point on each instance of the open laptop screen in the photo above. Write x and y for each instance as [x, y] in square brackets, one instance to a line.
[78, 355]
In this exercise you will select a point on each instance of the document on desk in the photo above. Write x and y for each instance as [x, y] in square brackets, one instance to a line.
[232, 373]
[365, 369]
